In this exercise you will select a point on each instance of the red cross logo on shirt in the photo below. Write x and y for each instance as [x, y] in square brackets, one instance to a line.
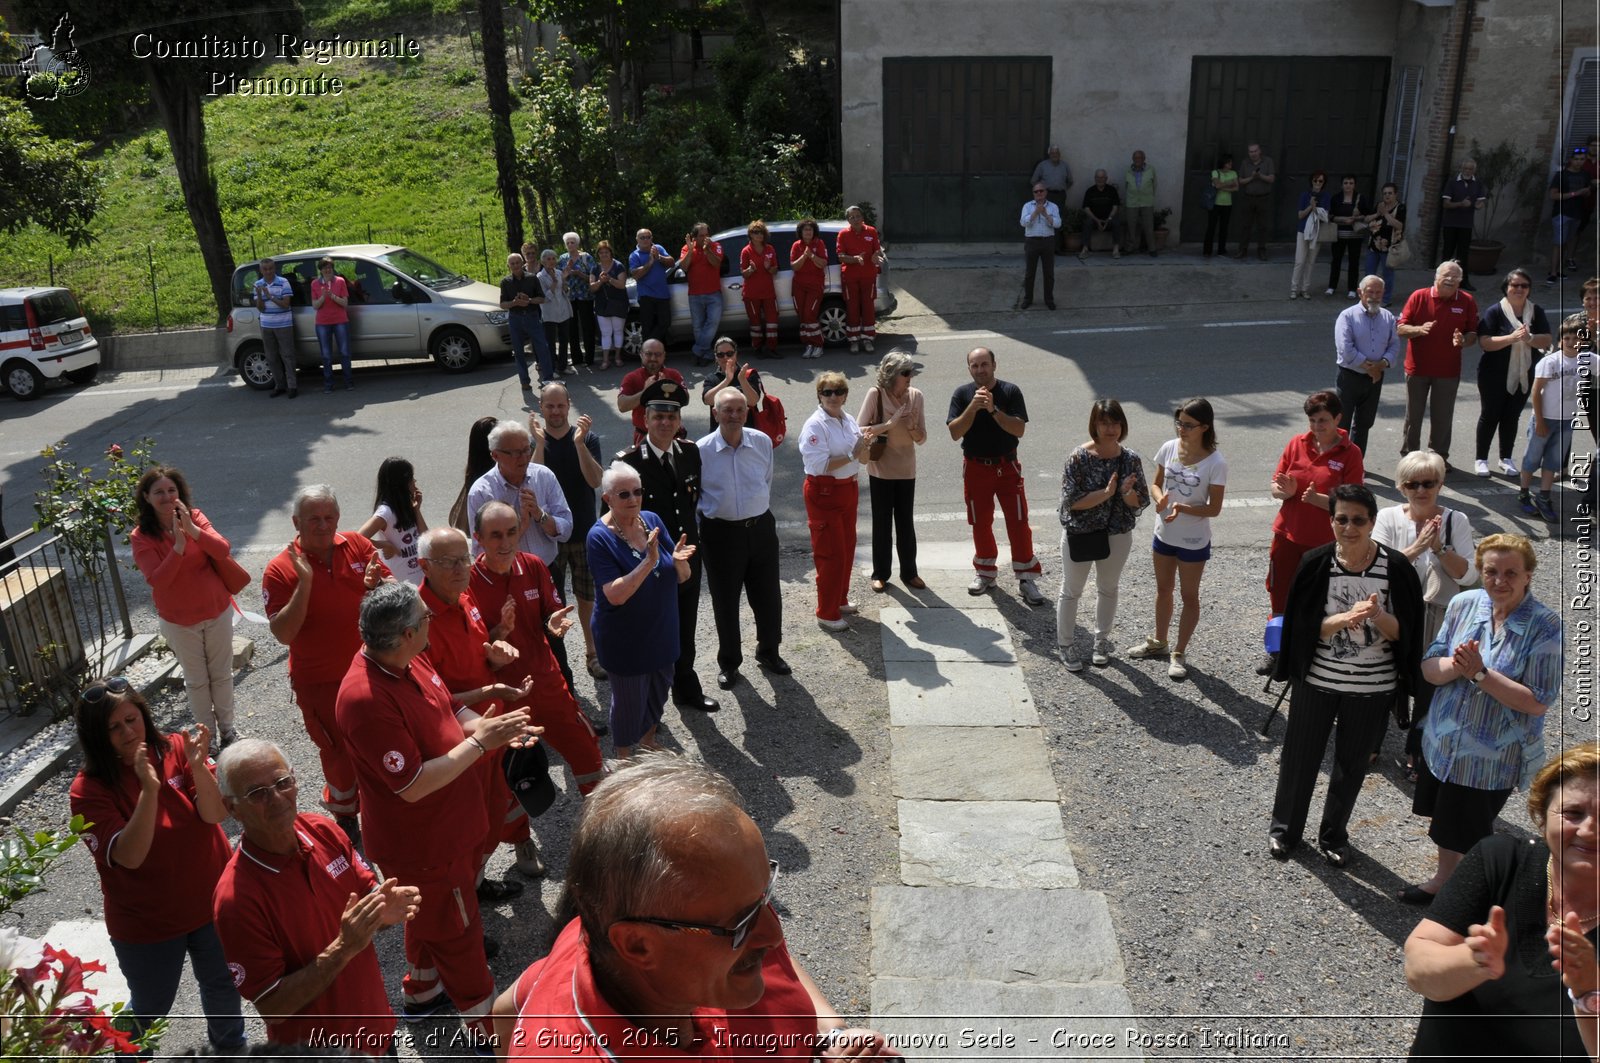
[394, 762]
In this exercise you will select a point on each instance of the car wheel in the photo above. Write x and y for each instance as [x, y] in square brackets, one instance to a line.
[632, 336]
[83, 375]
[254, 368]
[454, 349]
[832, 320]
[23, 380]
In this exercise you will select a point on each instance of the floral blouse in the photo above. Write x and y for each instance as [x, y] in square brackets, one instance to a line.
[1086, 473]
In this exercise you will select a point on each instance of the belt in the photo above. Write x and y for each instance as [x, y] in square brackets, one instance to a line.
[995, 461]
[748, 522]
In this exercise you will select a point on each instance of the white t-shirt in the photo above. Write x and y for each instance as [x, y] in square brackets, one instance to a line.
[1189, 485]
[403, 564]
[1559, 402]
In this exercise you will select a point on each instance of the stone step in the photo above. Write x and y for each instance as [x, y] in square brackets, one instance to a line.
[945, 635]
[995, 844]
[944, 1018]
[971, 764]
[958, 694]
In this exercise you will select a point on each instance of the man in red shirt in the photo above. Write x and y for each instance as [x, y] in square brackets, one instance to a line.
[422, 806]
[630, 396]
[701, 262]
[297, 909]
[686, 972]
[312, 592]
[1440, 322]
[860, 255]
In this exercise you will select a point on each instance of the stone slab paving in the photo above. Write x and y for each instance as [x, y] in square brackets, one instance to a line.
[942, 1018]
[971, 764]
[998, 844]
[88, 940]
[945, 635]
[956, 694]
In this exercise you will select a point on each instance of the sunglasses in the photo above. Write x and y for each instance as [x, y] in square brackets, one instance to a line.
[116, 685]
[829, 393]
[1420, 485]
[623, 496]
[736, 934]
[906, 372]
[259, 795]
[1359, 522]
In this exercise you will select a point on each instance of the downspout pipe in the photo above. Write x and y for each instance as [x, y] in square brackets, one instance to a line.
[1470, 9]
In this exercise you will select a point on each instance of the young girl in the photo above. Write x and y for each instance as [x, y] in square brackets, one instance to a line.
[397, 522]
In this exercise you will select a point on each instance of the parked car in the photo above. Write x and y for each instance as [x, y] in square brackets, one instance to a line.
[43, 335]
[402, 305]
[781, 237]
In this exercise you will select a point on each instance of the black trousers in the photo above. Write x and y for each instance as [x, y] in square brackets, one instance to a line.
[1498, 411]
[1357, 723]
[587, 330]
[1345, 247]
[892, 526]
[1455, 243]
[1039, 250]
[685, 683]
[744, 557]
[655, 314]
[1059, 198]
[1358, 395]
[1217, 228]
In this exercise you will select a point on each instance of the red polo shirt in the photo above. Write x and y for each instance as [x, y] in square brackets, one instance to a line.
[865, 243]
[456, 635]
[704, 278]
[169, 893]
[759, 285]
[1435, 354]
[331, 634]
[276, 912]
[560, 1014]
[633, 384]
[528, 584]
[393, 724]
[1339, 464]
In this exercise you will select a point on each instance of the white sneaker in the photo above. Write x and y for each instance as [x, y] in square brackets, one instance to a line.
[1071, 658]
[835, 626]
[867, 346]
[1116, 252]
[980, 585]
[1327, 291]
[1481, 467]
[855, 346]
[1176, 668]
[1509, 467]
[1103, 648]
[1351, 294]
[1032, 594]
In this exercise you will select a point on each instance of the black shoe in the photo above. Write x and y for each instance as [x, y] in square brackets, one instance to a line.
[491, 947]
[1336, 855]
[729, 679]
[1279, 848]
[1415, 895]
[1025, 304]
[275, 393]
[1049, 304]
[696, 702]
[495, 890]
[415, 1013]
[1268, 662]
[771, 662]
[294, 393]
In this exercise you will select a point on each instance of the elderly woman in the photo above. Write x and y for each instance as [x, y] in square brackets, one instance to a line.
[832, 446]
[1497, 663]
[636, 611]
[1506, 956]
[1512, 334]
[177, 551]
[892, 475]
[556, 313]
[1438, 543]
[1308, 470]
[576, 265]
[155, 811]
[1102, 493]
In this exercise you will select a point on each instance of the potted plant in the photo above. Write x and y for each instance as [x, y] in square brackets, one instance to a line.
[1161, 215]
[1512, 180]
[1072, 226]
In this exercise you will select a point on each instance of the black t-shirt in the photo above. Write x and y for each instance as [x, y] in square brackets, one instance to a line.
[986, 439]
[561, 458]
[528, 285]
[1479, 1024]
[715, 377]
[1569, 182]
[1099, 201]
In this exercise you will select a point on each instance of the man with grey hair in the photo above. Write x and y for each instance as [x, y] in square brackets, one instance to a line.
[417, 752]
[312, 593]
[297, 910]
[1440, 322]
[273, 295]
[520, 297]
[671, 932]
[1366, 345]
[1056, 176]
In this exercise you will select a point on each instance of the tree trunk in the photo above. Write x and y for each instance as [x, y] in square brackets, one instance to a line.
[493, 23]
[177, 97]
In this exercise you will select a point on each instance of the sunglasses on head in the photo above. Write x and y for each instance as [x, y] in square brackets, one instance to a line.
[96, 693]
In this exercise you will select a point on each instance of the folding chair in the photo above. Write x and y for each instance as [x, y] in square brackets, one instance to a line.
[1272, 639]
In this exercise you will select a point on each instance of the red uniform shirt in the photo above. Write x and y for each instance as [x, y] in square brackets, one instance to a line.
[561, 1014]
[276, 912]
[865, 243]
[808, 274]
[1435, 354]
[528, 583]
[456, 635]
[393, 724]
[1339, 464]
[185, 587]
[704, 278]
[169, 893]
[633, 383]
[330, 636]
[758, 285]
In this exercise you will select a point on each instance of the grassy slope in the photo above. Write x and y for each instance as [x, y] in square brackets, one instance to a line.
[405, 150]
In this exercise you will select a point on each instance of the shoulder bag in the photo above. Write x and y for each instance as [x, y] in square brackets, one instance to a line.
[1208, 195]
[879, 444]
[769, 418]
[1095, 545]
[235, 577]
[1399, 250]
[1437, 586]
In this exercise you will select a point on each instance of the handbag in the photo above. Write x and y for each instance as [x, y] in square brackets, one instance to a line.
[770, 420]
[1437, 586]
[1208, 195]
[1095, 545]
[235, 577]
[879, 444]
[1399, 252]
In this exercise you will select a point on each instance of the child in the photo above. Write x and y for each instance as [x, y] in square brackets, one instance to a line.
[1555, 403]
[397, 524]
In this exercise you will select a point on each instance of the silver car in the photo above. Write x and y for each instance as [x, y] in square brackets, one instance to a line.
[402, 305]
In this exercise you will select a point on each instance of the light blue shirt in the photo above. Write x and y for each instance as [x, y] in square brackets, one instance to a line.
[273, 316]
[1045, 226]
[1470, 739]
[735, 479]
[493, 487]
[1362, 337]
[654, 283]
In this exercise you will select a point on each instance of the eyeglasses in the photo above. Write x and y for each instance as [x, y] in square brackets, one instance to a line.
[1510, 286]
[450, 562]
[259, 795]
[520, 452]
[623, 496]
[1186, 426]
[1420, 485]
[829, 393]
[117, 685]
[737, 933]
[1359, 522]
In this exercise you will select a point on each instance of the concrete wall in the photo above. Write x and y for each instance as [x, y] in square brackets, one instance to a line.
[1121, 71]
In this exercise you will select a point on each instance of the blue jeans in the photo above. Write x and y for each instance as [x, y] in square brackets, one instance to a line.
[526, 329]
[153, 969]
[1548, 453]
[1376, 263]
[327, 336]
[705, 314]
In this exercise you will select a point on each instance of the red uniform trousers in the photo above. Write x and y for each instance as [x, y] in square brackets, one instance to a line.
[763, 315]
[508, 820]
[808, 308]
[316, 701]
[566, 730]
[444, 943]
[983, 481]
[860, 307]
[831, 505]
[1283, 558]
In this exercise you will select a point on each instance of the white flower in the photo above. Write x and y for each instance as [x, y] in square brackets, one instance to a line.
[18, 953]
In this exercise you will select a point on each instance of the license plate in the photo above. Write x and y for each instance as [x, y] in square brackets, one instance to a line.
[67, 339]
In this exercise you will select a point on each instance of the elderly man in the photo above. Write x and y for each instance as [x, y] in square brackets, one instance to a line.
[648, 264]
[1257, 175]
[701, 262]
[669, 473]
[272, 295]
[739, 537]
[1056, 176]
[297, 909]
[1463, 196]
[571, 450]
[1440, 322]
[521, 297]
[1366, 344]
[691, 953]
[1040, 221]
[1102, 213]
[652, 367]
[1139, 203]
[312, 595]
[422, 810]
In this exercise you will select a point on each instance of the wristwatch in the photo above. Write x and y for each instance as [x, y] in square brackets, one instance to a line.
[1588, 1004]
[1476, 679]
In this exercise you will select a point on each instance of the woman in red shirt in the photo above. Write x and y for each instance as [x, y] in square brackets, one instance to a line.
[758, 262]
[154, 812]
[175, 548]
[809, 257]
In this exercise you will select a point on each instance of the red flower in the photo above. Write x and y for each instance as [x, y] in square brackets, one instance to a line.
[115, 451]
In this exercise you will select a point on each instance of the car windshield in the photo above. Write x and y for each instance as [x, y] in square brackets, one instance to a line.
[53, 308]
[423, 269]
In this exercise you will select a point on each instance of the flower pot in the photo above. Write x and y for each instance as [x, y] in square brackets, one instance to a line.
[1074, 243]
[1483, 256]
[1161, 239]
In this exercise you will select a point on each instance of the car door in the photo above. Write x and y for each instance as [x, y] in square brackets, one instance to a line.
[732, 279]
[783, 281]
[383, 312]
[299, 272]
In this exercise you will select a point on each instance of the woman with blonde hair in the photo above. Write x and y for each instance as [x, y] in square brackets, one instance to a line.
[832, 446]
[892, 471]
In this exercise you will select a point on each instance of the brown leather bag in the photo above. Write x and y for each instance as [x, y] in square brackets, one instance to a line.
[878, 444]
[235, 577]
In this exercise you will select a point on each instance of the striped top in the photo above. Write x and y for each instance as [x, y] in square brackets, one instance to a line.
[1355, 660]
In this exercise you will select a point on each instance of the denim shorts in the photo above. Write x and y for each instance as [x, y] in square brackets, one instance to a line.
[1168, 550]
[1550, 452]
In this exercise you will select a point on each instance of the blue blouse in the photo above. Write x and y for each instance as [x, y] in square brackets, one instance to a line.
[641, 634]
[1471, 739]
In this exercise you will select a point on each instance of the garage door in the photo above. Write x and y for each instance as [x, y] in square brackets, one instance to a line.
[961, 137]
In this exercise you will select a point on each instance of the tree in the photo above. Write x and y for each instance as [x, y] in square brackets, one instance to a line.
[493, 22]
[567, 155]
[178, 86]
[44, 181]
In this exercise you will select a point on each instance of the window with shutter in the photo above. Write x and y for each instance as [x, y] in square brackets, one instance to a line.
[1583, 116]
